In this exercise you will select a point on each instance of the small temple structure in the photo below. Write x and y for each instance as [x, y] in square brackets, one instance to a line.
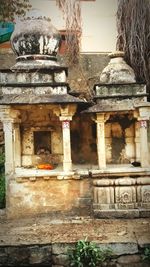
[64, 156]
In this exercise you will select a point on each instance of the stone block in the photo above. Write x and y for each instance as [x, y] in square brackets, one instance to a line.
[144, 213]
[103, 182]
[116, 213]
[125, 181]
[60, 259]
[129, 259]
[40, 255]
[143, 194]
[125, 194]
[3, 257]
[103, 195]
[143, 180]
[61, 248]
[103, 206]
[17, 255]
[125, 206]
[121, 248]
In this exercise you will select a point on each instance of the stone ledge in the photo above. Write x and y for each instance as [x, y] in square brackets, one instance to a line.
[120, 172]
[22, 175]
[132, 213]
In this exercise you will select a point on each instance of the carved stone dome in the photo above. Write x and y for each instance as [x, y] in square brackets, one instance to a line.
[35, 35]
[117, 71]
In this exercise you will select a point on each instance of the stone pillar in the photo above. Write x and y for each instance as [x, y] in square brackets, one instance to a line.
[101, 150]
[137, 141]
[17, 145]
[9, 145]
[144, 152]
[67, 162]
[9, 117]
[65, 113]
[108, 140]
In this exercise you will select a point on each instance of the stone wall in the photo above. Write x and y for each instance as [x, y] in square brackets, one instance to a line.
[60, 196]
[56, 255]
[46, 195]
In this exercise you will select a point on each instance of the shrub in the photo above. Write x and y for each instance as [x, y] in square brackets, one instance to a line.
[2, 181]
[88, 254]
[2, 191]
[2, 161]
[146, 255]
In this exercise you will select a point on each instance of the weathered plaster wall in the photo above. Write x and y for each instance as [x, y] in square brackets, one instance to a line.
[49, 196]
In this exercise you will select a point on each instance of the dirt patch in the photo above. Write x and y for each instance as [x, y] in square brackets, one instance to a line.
[44, 230]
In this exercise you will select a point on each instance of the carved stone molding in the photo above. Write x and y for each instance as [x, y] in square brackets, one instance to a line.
[9, 114]
[65, 112]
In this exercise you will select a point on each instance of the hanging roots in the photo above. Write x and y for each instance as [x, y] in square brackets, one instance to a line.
[133, 24]
[72, 14]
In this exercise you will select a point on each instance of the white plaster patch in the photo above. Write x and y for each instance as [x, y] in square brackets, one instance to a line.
[60, 76]
[11, 90]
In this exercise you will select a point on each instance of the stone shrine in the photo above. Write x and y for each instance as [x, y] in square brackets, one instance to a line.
[122, 116]
[62, 157]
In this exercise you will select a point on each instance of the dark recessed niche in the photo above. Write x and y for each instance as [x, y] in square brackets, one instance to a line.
[42, 142]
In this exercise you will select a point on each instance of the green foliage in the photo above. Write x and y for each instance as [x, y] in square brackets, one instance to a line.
[88, 254]
[2, 191]
[9, 8]
[146, 255]
[2, 181]
[2, 162]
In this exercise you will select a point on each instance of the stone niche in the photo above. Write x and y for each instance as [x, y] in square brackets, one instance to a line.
[122, 138]
[41, 143]
[83, 140]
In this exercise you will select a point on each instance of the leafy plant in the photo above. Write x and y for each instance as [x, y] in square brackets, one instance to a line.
[88, 254]
[2, 180]
[2, 161]
[11, 8]
[2, 191]
[146, 255]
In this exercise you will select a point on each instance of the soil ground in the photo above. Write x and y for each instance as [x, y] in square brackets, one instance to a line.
[44, 231]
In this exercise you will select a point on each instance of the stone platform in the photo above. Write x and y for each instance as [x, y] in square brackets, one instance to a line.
[44, 242]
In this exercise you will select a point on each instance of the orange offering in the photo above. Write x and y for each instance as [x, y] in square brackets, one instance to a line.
[45, 167]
